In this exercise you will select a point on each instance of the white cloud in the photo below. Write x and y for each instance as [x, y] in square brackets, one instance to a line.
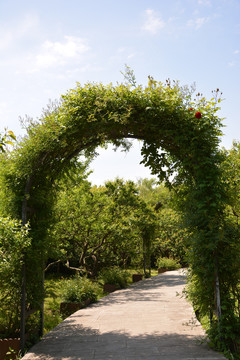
[153, 22]
[59, 53]
[236, 52]
[197, 23]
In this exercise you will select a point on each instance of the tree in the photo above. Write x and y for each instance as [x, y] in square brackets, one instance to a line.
[231, 167]
[98, 227]
[139, 215]
[81, 226]
[170, 233]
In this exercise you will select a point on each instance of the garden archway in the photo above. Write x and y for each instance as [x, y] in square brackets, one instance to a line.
[179, 135]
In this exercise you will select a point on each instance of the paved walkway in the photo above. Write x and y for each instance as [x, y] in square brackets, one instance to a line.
[146, 321]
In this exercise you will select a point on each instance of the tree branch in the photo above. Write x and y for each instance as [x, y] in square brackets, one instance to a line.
[72, 267]
[51, 264]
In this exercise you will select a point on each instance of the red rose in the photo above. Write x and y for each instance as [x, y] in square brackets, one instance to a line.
[198, 115]
[190, 109]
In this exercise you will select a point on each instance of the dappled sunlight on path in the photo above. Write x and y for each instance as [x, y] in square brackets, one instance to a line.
[146, 321]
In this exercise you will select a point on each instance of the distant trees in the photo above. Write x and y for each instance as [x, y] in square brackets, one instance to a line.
[171, 235]
[96, 227]
[120, 223]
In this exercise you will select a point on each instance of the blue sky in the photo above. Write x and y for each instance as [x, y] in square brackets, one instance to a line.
[46, 46]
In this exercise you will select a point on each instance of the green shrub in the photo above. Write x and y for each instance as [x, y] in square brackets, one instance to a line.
[14, 241]
[115, 276]
[80, 289]
[168, 263]
[53, 291]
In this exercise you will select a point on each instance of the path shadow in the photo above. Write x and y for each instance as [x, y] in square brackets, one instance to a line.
[74, 342]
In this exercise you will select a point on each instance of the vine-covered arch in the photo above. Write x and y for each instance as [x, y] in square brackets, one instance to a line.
[180, 136]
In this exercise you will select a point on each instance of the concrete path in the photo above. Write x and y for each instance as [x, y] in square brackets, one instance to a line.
[147, 321]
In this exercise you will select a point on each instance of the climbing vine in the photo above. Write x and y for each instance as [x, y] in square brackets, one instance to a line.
[180, 138]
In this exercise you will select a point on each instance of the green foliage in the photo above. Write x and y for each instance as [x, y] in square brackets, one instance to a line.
[231, 167]
[14, 242]
[53, 291]
[228, 342]
[115, 276]
[52, 315]
[98, 227]
[154, 193]
[79, 289]
[6, 139]
[224, 332]
[168, 263]
[13, 354]
[224, 336]
[171, 235]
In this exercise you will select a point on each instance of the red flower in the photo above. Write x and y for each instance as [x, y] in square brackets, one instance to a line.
[198, 115]
[190, 109]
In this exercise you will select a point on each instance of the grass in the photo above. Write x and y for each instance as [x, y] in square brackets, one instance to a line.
[154, 272]
[53, 298]
[168, 263]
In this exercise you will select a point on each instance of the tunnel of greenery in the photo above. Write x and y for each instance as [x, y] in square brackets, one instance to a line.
[180, 138]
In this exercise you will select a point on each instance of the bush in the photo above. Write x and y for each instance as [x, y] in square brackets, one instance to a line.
[53, 291]
[168, 263]
[14, 241]
[115, 276]
[80, 289]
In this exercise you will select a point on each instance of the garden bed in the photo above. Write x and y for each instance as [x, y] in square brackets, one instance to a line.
[68, 308]
[6, 345]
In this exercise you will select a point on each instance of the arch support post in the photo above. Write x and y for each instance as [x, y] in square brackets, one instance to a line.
[24, 281]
